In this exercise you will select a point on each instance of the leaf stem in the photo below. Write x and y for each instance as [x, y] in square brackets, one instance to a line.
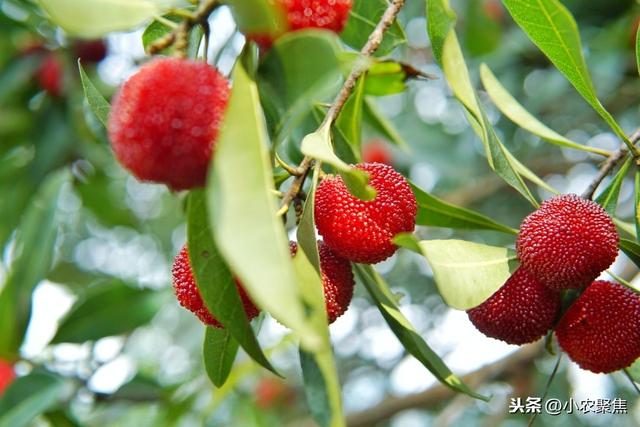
[360, 67]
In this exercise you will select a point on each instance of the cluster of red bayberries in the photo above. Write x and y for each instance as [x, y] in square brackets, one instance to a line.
[163, 128]
[565, 245]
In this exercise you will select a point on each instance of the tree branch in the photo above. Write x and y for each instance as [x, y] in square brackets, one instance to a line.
[609, 165]
[361, 66]
[437, 394]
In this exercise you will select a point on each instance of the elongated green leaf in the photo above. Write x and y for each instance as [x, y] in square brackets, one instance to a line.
[28, 397]
[374, 118]
[216, 283]
[467, 273]
[321, 378]
[350, 119]
[257, 17]
[108, 309]
[631, 249]
[638, 49]
[364, 16]
[608, 199]
[33, 254]
[96, 18]
[243, 208]
[510, 107]
[435, 212]
[220, 351]
[551, 27]
[406, 333]
[98, 104]
[306, 233]
[318, 146]
[385, 78]
[156, 30]
[447, 50]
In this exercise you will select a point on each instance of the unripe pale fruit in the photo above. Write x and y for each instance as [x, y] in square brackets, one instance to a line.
[165, 120]
[601, 330]
[521, 311]
[189, 296]
[337, 280]
[361, 231]
[567, 242]
[51, 75]
[7, 375]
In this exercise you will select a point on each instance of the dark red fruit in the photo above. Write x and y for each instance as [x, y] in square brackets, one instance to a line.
[601, 330]
[377, 152]
[189, 296]
[362, 231]
[51, 75]
[91, 50]
[337, 280]
[7, 375]
[165, 120]
[521, 311]
[567, 242]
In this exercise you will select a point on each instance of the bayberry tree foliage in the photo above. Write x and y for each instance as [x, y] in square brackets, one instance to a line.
[343, 193]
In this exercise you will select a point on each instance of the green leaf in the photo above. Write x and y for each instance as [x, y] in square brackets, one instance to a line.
[385, 78]
[467, 273]
[315, 389]
[350, 119]
[608, 199]
[98, 104]
[295, 86]
[157, 29]
[318, 145]
[637, 202]
[219, 351]
[364, 16]
[374, 118]
[106, 310]
[435, 212]
[631, 249]
[242, 206]
[306, 233]
[406, 333]
[447, 50]
[510, 107]
[216, 283]
[257, 17]
[97, 18]
[28, 397]
[34, 247]
[638, 49]
[551, 27]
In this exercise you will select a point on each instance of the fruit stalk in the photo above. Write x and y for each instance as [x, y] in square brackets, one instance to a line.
[608, 166]
[372, 45]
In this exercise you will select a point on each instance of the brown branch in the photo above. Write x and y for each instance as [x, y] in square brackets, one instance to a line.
[514, 363]
[361, 66]
[179, 35]
[609, 165]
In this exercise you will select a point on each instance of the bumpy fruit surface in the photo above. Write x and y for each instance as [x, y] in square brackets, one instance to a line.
[521, 311]
[567, 242]
[189, 296]
[165, 120]
[330, 15]
[361, 231]
[601, 330]
[337, 280]
[7, 375]
[51, 75]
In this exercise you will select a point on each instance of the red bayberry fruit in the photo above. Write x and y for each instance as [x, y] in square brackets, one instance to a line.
[330, 15]
[7, 375]
[271, 392]
[377, 152]
[567, 242]
[521, 311]
[189, 296]
[91, 50]
[601, 330]
[337, 280]
[165, 120]
[50, 75]
[361, 231]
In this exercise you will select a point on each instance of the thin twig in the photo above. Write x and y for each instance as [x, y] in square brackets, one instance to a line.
[179, 35]
[609, 165]
[633, 382]
[361, 66]
[547, 386]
